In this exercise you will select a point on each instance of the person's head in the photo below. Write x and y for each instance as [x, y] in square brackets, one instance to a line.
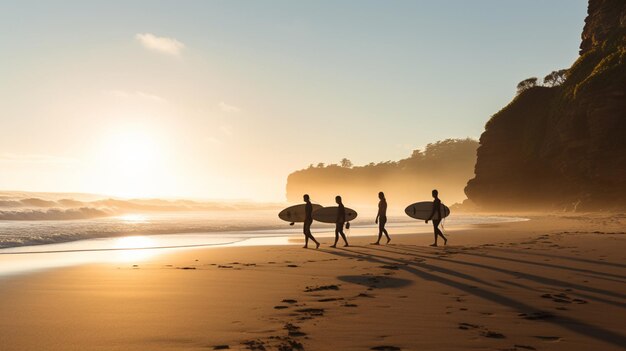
[306, 197]
[338, 199]
[435, 193]
[381, 195]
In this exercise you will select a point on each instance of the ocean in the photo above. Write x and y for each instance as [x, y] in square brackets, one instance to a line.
[27, 245]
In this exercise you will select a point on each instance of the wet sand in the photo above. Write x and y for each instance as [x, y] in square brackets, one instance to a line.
[552, 283]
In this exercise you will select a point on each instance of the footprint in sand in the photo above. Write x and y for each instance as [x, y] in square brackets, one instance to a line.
[311, 311]
[221, 347]
[536, 315]
[293, 330]
[386, 348]
[483, 331]
[329, 299]
[548, 338]
[467, 326]
[563, 298]
[321, 288]
[492, 334]
[254, 344]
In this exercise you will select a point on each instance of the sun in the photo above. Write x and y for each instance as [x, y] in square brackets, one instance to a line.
[132, 151]
[132, 163]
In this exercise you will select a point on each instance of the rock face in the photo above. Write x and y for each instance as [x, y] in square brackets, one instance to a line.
[563, 147]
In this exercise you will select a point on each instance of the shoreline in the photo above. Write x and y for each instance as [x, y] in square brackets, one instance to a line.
[552, 283]
[68, 231]
[107, 249]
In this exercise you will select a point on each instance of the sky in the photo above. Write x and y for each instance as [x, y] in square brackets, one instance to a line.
[223, 99]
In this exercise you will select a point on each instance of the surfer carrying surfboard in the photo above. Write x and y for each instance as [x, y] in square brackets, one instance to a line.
[436, 210]
[341, 219]
[381, 218]
[308, 220]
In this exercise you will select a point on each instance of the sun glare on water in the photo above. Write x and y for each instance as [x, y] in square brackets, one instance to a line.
[133, 248]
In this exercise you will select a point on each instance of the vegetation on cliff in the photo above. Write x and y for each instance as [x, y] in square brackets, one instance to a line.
[562, 145]
[445, 165]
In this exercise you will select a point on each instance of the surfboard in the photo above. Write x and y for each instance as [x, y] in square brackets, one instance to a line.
[422, 210]
[329, 214]
[295, 213]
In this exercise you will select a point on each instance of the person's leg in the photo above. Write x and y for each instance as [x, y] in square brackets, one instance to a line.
[435, 230]
[380, 232]
[306, 230]
[343, 236]
[440, 233]
[384, 230]
[310, 236]
[337, 229]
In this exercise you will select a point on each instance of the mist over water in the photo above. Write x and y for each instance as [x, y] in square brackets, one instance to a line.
[212, 224]
[28, 219]
[21, 233]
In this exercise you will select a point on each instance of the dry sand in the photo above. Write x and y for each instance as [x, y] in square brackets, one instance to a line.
[553, 283]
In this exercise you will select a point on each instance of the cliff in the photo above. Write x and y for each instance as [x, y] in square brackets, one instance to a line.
[446, 165]
[563, 147]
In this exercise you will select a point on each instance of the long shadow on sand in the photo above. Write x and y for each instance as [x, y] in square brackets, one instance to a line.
[574, 325]
[440, 270]
[539, 279]
[544, 264]
[380, 282]
[527, 276]
[584, 260]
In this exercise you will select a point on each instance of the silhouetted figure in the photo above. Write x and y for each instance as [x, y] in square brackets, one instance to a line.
[308, 220]
[341, 219]
[381, 218]
[436, 210]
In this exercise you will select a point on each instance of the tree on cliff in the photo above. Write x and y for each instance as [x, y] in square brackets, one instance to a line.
[555, 78]
[526, 84]
[563, 148]
[446, 165]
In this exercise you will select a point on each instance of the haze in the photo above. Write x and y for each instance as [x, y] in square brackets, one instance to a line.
[224, 99]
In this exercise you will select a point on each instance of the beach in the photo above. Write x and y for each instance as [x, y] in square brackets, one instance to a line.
[554, 282]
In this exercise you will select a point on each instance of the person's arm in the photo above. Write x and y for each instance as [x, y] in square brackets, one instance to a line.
[377, 215]
[342, 215]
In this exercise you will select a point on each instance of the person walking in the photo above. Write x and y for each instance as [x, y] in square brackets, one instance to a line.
[381, 218]
[308, 220]
[339, 223]
[436, 211]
